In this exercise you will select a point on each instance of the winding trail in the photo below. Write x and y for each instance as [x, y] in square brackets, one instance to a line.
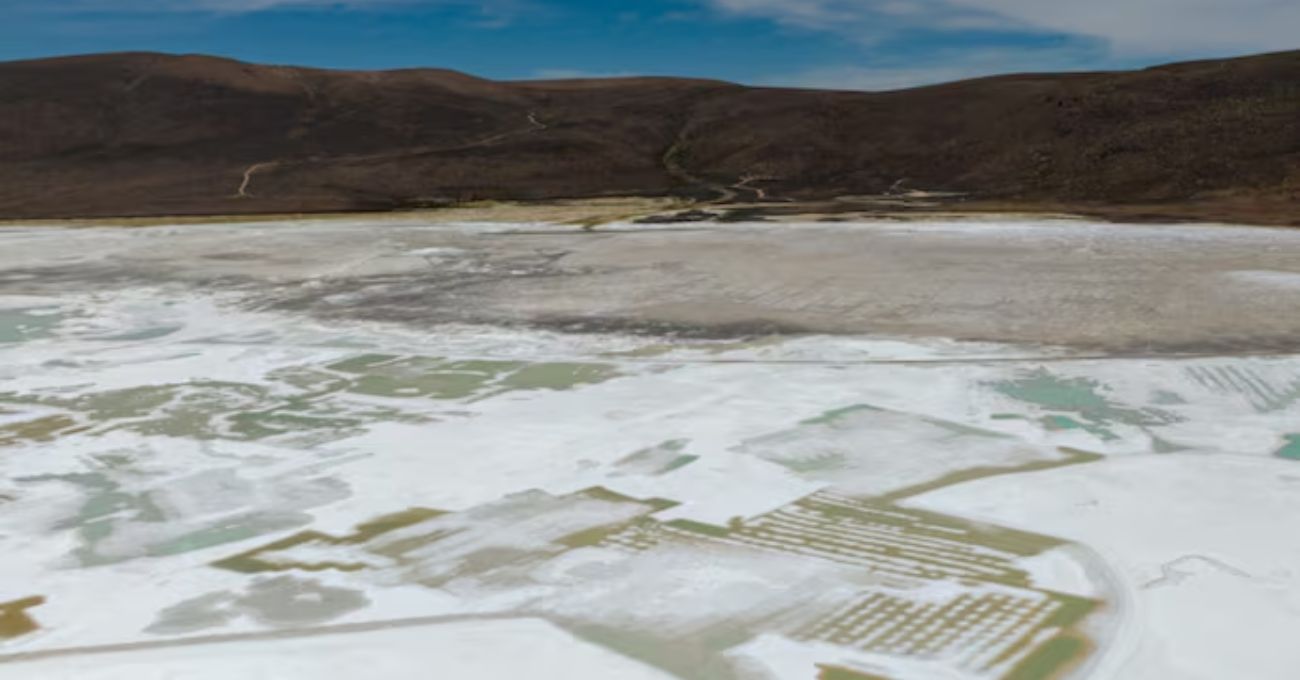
[759, 194]
[1172, 574]
[534, 125]
[726, 194]
[248, 177]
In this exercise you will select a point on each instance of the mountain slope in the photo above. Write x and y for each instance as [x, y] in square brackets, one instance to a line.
[149, 134]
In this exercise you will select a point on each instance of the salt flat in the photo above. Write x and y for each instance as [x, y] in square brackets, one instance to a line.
[970, 450]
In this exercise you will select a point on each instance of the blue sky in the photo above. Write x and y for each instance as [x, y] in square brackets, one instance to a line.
[859, 44]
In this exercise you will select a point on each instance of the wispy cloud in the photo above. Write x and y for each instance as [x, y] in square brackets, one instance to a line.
[865, 20]
[486, 7]
[1128, 27]
[1161, 26]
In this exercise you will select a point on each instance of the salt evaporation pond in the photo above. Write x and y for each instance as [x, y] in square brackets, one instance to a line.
[197, 481]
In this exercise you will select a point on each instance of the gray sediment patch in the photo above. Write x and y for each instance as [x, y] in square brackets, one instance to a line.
[282, 601]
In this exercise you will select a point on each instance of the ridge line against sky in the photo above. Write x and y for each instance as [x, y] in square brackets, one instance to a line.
[851, 44]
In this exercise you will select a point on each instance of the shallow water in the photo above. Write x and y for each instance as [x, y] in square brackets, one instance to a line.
[23, 325]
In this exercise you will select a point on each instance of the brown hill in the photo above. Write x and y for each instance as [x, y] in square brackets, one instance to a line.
[149, 134]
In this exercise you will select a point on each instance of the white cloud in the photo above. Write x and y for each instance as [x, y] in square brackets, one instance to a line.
[865, 20]
[815, 13]
[1162, 26]
[492, 8]
[223, 6]
[1129, 27]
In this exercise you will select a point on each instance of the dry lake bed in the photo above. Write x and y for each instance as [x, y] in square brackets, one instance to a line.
[982, 449]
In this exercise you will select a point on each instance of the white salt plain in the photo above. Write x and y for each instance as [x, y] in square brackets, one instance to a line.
[195, 484]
